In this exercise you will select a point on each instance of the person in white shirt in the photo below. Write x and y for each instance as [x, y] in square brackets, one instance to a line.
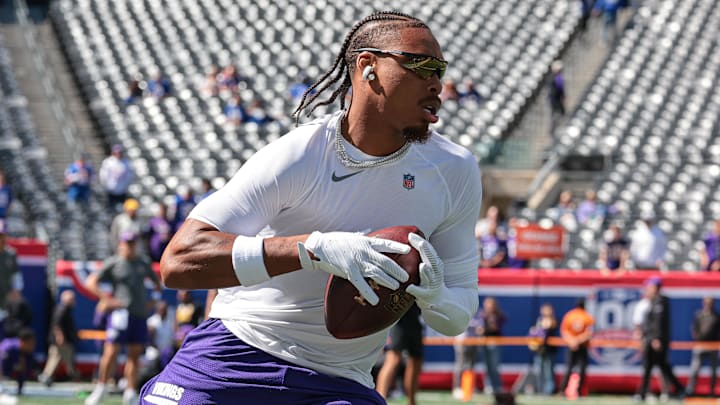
[116, 175]
[298, 211]
[648, 244]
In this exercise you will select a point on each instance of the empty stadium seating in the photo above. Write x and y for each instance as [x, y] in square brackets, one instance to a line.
[653, 110]
[505, 47]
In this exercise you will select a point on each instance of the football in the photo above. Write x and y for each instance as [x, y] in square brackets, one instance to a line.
[348, 315]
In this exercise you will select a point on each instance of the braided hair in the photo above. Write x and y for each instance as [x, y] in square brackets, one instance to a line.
[371, 31]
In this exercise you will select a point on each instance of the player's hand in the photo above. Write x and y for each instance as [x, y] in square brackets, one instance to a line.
[432, 272]
[656, 344]
[354, 257]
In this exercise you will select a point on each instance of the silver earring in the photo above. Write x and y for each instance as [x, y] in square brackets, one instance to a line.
[368, 74]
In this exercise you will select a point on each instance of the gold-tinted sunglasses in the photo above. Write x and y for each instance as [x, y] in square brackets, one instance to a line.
[422, 65]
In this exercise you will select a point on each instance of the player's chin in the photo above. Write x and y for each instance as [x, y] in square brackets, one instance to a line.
[417, 134]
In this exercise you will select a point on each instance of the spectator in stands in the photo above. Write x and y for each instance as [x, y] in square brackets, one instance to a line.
[126, 221]
[609, 11]
[614, 253]
[188, 315]
[576, 330]
[564, 212]
[234, 110]
[544, 359]
[115, 175]
[590, 211]
[257, 113]
[184, 203]
[18, 314]
[492, 321]
[159, 86]
[126, 272]
[449, 91]
[6, 196]
[514, 262]
[466, 354]
[298, 88]
[493, 248]
[705, 328]
[648, 244]
[556, 94]
[206, 188]
[62, 339]
[585, 13]
[405, 336]
[492, 215]
[135, 92]
[158, 233]
[17, 360]
[210, 83]
[710, 252]
[161, 331]
[230, 78]
[78, 177]
[468, 93]
[656, 338]
[10, 277]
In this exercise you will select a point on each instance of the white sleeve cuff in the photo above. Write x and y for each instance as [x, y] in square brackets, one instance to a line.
[247, 260]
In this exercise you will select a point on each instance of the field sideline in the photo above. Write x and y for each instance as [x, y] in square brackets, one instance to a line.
[66, 394]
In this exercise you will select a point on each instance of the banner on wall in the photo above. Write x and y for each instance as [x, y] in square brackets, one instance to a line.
[533, 241]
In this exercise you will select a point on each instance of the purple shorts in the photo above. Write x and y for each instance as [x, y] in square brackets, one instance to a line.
[213, 366]
[131, 330]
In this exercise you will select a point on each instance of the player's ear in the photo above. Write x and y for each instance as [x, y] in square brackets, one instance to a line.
[363, 61]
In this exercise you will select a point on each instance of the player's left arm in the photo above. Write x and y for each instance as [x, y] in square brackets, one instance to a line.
[448, 290]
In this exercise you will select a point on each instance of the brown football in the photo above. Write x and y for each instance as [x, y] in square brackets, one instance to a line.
[349, 316]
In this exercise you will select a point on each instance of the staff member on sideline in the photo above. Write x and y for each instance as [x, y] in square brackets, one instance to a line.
[656, 338]
[576, 330]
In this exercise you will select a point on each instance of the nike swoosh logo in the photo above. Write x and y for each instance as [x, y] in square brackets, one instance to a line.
[337, 178]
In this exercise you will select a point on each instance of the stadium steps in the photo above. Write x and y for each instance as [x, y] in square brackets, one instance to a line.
[527, 144]
[82, 227]
[45, 123]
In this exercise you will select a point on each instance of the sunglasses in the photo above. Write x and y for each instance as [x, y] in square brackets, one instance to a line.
[422, 65]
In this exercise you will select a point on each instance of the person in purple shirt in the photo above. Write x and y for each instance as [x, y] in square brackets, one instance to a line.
[590, 210]
[493, 248]
[710, 253]
[158, 233]
[514, 262]
[184, 203]
[16, 357]
[615, 253]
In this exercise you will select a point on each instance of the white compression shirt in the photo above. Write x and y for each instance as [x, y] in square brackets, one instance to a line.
[297, 185]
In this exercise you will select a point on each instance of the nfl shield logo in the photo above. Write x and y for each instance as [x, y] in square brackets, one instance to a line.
[408, 181]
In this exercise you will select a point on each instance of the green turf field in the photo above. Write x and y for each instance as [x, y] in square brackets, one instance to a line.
[425, 398]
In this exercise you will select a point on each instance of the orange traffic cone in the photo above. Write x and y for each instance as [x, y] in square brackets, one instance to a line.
[467, 384]
[571, 392]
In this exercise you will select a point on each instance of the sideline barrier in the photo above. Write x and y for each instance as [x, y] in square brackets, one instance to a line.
[558, 342]
[614, 355]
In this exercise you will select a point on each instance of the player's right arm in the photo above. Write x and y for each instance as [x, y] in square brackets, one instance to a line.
[200, 256]
[217, 246]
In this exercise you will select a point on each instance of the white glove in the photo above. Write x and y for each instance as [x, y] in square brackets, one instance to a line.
[353, 257]
[442, 308]
[432, 273]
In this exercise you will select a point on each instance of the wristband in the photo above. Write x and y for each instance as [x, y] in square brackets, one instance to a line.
[247, 260]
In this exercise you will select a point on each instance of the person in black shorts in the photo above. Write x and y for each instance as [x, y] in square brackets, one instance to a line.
[405, 336]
